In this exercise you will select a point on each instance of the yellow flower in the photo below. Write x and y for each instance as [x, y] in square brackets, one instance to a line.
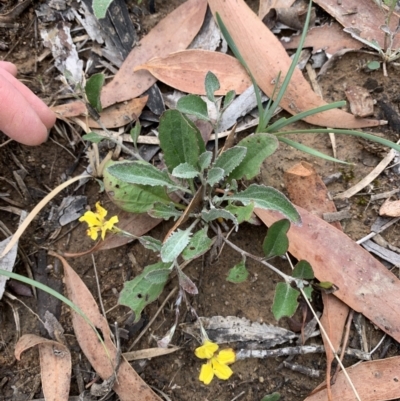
[97, 222]
[217, 364]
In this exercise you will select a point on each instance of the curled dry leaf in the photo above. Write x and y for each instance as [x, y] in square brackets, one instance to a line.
[114, 116]
[364, 283]
[187, 70]
[129, 386]
[266, 58]
[374, 380]
[55, 365]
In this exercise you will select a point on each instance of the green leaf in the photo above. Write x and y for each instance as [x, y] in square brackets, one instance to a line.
[272, 397]
[163, 211]
[259, 147]
[151, 243]
[198, 245]
[230, 159]
[142, 173]
[215, 175]
[93, 137]
[238, 273]
[285, 301]
[215, 214]
[135, 132]
[132, 198]
[141, 291]
[303, 270]
[242, 213]
[175, 244]
[229, 97]
[180, 139]
[185, 170]
[373, 65]
[308, 291]
[93, 90]
[100, 8]
[205, 160]
[194, 105]
[276, 243]
[267, 198]
[157, 276]
[211, 84]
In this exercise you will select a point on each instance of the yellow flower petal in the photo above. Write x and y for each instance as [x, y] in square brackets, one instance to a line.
[220, 370]
[101, 211]
[91, 219]
[206, 373]
[226, 356]
[92, 232]
[207, 350]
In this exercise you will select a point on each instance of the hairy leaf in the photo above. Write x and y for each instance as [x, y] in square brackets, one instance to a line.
[229, 97]
[267, 198]
[230, 159]
[303, 270]
[271, 397]
[135, 132]
[180, 139]
[93, 137]
[276, 242]
[175, 244]
[242, 213]
[285, 301]
[194, 105]
[151, 243]
[259, 147]
[215, 214]
[143, 173]
[141, 291]
[185, 170]
[198, 245]
[205, 160]
[93, 90]
[212, 85]
[238, 273]
[132, 198]
[163, 211]
[215, 175]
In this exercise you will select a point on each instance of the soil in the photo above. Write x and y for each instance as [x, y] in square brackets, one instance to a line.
[176, 374]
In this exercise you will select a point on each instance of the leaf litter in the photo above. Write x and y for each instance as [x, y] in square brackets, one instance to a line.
[322, 124]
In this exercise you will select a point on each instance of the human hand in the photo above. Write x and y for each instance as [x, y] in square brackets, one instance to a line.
[23, 116]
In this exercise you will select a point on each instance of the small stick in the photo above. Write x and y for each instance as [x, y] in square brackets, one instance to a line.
[302, 369]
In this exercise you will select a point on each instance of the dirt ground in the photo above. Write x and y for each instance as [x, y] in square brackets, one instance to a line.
[176, 374]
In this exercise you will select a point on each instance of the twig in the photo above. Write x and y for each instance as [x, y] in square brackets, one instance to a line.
[98, 287]
[373, 233]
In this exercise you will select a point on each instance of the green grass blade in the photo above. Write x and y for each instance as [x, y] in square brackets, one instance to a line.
[57, 295]
[309, 150]
[237, 54]
[268, 113]
[282, 122]
[360, 134]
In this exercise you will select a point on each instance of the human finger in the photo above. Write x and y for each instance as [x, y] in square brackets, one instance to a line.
[18, 119]
[9, 67]
[46, 115]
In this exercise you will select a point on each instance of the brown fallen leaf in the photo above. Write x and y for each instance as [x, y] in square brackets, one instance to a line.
[174, 33]
[330, 38]
[363, 15]
[374, 380]
[390, 208]
[114, 116]
[364, 283]
[307, 190]
[186, 71]
[129, 385]
[266, 5]
[266, 58]
[55, 365]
